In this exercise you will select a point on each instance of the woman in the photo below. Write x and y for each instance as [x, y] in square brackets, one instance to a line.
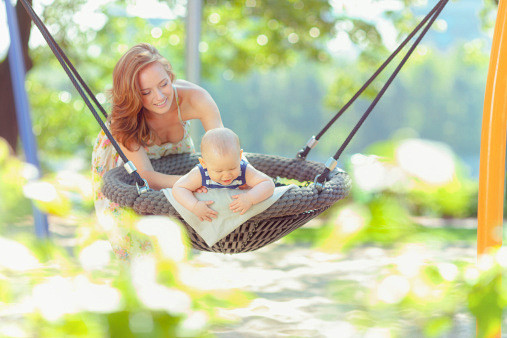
[149, 119]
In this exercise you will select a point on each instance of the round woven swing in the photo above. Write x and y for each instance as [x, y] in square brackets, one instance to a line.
[296, 207]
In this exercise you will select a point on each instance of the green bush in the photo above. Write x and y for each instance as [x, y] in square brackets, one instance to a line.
[14, 206]
[48, 293]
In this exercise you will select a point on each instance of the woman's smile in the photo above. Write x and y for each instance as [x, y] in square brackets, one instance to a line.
[162, 103]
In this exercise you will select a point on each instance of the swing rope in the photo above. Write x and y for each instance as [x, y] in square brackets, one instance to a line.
[81, 87]
[303, 153]
[331, 163]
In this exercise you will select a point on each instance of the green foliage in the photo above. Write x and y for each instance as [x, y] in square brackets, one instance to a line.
[418, 295]
[383, 221]
[84, 290]
[488, 14]
[94, 295]
[421, 305]
[264, 33]
[281, 109]
[487, 300]
[51, 124]
[455, 197]
[14, 206]
[389, 220]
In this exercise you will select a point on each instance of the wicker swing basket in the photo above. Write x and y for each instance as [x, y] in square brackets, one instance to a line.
[296, 207]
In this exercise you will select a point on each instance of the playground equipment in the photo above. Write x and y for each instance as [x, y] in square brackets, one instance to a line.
[493, 137]
[22, 110]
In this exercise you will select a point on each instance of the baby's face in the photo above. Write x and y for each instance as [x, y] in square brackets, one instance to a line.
[225, 169]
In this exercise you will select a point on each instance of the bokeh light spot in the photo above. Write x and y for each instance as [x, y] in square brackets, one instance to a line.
[293, 38]
[214, 18]
[156, 32]
[314, 32]
[262, 40]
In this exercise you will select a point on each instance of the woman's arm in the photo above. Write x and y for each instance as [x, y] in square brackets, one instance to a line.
[209, 113]
[155, 179]
[202, 107]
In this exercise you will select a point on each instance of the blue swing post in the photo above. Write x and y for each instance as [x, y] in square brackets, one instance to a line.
[17, 68]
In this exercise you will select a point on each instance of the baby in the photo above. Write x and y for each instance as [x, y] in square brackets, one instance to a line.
[221, 166]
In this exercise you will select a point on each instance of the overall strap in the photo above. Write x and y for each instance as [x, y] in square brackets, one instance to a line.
[242, 176]
[204, 175]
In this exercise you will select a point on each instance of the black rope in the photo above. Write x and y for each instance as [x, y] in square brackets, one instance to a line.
[303, 153]
[337, 155]
[64, 61]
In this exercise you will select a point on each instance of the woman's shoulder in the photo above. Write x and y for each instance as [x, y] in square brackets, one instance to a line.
[193, 96]
[189, 89]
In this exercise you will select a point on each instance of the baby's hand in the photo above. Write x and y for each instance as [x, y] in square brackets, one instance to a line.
[201, 189]
[204, 212]
[242, 203]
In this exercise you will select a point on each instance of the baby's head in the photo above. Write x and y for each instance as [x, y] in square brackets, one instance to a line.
[221, 155]
[219, 143]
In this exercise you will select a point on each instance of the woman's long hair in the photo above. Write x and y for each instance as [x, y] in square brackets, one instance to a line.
[128, 121]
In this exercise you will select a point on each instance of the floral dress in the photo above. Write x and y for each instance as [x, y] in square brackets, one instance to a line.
[110, 215]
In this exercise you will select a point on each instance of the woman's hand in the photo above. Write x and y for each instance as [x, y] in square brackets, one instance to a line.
[202, 189]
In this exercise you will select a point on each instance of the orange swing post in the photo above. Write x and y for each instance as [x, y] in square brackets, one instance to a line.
[493, 139]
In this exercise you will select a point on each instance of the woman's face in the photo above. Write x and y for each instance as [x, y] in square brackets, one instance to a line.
[156, 89]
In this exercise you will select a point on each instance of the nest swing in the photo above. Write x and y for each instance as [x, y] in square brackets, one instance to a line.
[296, 207]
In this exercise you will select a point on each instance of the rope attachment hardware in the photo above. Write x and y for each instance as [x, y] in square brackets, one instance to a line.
[312, 142]
[130, 167]
[319, 185]
[320, 179]
[331, 163]
[144, 188]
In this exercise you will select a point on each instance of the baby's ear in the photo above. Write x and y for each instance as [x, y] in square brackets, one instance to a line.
[201, 161]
